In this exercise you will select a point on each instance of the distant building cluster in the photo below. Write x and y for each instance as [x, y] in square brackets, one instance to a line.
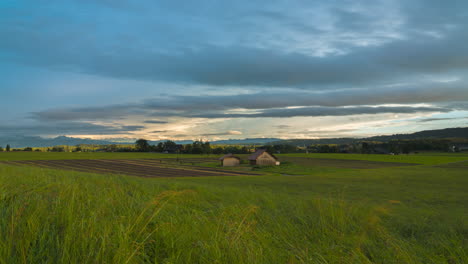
[261, 157]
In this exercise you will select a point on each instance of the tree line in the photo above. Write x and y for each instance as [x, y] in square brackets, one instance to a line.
[7, 148]
[204, 147]
[197, 147]
[390, 147]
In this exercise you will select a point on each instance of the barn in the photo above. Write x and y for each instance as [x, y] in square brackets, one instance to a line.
[262, 157]
[229, 160]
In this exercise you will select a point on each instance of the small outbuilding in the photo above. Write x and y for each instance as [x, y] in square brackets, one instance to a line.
[229, 160]
[458, 147]
[262, 157]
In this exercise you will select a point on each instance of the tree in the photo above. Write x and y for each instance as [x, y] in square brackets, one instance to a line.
[269, 149]
[58, 149]
[245, 150]
[197, 147]
[218, 150]
[206, 148]
[8, 147]
[28, 149]
[405, 149]
[365, 148]
[170, 146]
[1, 149]
[142, 145]
[160, 147]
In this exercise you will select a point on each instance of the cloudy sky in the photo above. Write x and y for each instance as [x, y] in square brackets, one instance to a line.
[232, 69]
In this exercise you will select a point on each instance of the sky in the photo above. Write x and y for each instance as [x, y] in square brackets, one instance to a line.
[232, 69]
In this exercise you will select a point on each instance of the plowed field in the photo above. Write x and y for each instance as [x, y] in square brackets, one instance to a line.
[134, 167]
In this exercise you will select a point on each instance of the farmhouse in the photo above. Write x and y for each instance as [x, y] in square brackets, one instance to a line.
[229, 160]
[457, 147]
[262, 157]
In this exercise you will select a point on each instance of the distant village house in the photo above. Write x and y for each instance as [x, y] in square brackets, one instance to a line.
[229, 160]
[262, 157]
[458, 147]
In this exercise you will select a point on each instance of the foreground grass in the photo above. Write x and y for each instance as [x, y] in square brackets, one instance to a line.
[398, 215]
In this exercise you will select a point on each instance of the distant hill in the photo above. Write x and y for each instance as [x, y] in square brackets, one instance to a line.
[246, 141]
[27, 141]
[461, 132]
[305, 142]
[31, 141]
[35, 142]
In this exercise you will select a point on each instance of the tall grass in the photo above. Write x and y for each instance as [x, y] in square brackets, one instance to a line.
[52, 216]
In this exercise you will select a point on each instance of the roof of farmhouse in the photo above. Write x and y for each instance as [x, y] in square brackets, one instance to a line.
[258, 153]
[229, 156]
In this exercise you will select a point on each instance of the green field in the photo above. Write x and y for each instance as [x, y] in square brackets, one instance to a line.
[295, 213]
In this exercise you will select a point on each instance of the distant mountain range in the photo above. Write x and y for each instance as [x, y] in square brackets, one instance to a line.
[32, 141]
[246, 141]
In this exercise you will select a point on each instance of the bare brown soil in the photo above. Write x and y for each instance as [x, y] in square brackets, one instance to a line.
[134, 167]
[341, 163]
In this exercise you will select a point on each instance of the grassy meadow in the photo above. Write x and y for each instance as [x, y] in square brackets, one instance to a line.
[295, 213]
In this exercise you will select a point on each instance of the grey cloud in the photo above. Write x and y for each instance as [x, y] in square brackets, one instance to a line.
[260, 67]
[328, 131]
[352, 20]
[131, 128]
[282, 126]
[227, 133]
[458, 105]
[62, 128]
[86, 113]
[435, 119]
[250, 65]
[424, 92]
[181, 135]
[440, 119]
[155, 122]
[442, 94]
[436, 15]
[324, 111]
[325, 132]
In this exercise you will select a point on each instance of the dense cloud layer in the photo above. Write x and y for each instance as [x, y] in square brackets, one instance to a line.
[424, 48]
[230, 60]
[324, 111]
[248, 66]
[274, 104]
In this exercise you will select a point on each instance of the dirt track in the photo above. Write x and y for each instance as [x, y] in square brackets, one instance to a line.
[134, 167]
